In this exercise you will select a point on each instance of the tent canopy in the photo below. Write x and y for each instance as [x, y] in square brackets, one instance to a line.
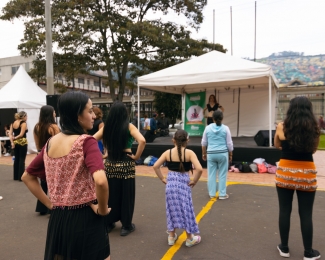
[213, 70]
[22, 92]
[243, 88]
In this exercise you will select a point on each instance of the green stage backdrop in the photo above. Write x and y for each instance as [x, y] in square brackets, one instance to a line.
[194, 116]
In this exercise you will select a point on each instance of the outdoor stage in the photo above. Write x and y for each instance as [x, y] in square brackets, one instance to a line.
[245, 149]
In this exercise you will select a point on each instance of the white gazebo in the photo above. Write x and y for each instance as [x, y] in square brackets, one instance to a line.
[22, 93]
[246, 89]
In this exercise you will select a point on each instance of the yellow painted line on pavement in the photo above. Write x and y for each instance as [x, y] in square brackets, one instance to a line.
[172, 251]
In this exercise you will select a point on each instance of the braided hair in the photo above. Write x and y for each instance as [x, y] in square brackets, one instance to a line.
[180, 137]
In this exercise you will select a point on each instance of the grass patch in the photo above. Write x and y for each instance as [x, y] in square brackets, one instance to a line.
[321, 145]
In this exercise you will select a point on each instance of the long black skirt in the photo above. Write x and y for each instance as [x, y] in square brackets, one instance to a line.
[121, 181]
[40, 207]
[76, 234]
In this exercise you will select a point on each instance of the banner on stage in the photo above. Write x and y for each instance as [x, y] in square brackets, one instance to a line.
[194, 116]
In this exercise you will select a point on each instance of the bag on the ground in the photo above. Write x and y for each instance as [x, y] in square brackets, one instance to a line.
[261, 168]
[152, 161]
[271, 169]
[139, 161]
[147, 160]
[253, 167]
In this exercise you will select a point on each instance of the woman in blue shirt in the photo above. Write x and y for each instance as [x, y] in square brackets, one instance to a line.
[216, 145]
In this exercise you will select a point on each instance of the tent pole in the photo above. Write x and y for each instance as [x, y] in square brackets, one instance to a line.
[139, 108]
[270, 111]
[183, 109]
[238, 112]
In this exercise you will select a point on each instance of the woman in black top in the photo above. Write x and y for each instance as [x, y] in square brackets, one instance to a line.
[17, 135]
[212, 106]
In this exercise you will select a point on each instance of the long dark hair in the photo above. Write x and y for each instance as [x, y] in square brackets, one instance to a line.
[45, 121]
[214, 99]
[116, 130]
[71, 104]
[300, 127]
[217, 117]
[180, 138]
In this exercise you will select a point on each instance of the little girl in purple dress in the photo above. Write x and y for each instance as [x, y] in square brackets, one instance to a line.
[179, 205]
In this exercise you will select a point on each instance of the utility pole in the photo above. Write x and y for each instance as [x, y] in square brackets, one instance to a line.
[231, 28]
[214, 47]
[255, 36]
[49, 57]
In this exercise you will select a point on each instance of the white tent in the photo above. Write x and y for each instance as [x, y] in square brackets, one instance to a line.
[21, 92]
[247, 90]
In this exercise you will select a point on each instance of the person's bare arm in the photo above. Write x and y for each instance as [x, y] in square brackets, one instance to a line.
[198, 169]
[140, 140]
[35, 188]
[222, 108]
[101, 125]
[278, 133]
[99, 135]
[157, 166]
[101, 186]
[11, 137]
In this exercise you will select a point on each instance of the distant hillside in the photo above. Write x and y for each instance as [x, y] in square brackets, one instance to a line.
[308, 69]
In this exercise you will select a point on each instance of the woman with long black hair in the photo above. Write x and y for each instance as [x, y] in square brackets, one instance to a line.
[298, 138]
[118, 135]
[43, 130]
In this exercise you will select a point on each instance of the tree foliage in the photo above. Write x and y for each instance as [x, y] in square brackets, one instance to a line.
[112, 34]
[168, 103]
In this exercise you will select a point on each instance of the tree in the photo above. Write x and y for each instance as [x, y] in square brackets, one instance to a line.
[168, 103]
[113, 34]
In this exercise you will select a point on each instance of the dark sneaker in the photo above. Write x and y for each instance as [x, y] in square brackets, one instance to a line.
[283, 250]
[126, 231]
[311, 255]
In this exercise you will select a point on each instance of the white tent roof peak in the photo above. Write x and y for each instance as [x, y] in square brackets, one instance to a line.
[211, 70]
[22, 92]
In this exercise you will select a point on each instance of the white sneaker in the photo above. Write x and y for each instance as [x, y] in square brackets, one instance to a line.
[1, 197]
[172, 240]
[195, 240]
[7, 154]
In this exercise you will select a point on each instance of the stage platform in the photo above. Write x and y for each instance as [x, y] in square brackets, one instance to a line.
[245, 149]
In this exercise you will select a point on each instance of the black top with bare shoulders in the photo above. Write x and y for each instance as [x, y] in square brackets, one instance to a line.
[174, 166]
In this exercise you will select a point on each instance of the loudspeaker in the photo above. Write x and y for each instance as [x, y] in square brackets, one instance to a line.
[148, 136]
[262, 137]
[52, 100]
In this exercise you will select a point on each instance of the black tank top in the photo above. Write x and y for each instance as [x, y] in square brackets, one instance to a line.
[289, 153]
[17, 131]
[174, 166]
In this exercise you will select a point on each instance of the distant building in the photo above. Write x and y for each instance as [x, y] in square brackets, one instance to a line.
[94, 84]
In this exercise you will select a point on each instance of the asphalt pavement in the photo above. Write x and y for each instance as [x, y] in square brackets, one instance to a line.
[242, 227]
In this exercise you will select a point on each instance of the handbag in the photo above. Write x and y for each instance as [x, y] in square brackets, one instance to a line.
[261, 168]
[271, 169]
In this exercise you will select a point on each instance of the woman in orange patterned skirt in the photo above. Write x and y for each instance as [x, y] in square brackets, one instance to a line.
[298, 138]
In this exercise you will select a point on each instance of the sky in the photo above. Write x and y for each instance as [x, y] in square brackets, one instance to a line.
[281, 25]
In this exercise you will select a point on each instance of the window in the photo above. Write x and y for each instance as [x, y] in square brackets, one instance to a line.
[88, 82]
[96, 83]
[81, 80]
[14, 70]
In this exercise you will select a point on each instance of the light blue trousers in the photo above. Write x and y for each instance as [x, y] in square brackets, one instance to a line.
[217, 162]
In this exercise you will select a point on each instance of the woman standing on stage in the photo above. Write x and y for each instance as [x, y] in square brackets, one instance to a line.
[212, 106]
[298, 138]
[17, 135]
[74, 171]
[118, 135]
[43, 130]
